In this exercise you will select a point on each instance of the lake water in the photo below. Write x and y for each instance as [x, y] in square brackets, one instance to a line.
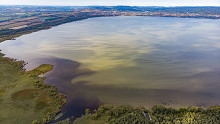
[127, 60]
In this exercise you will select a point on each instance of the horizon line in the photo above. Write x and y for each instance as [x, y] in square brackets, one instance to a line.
[102, 5]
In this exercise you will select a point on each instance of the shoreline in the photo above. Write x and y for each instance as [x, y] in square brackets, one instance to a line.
[54, 92]
[29, 30]
[43, 29]
[30, 93]
[44, 26]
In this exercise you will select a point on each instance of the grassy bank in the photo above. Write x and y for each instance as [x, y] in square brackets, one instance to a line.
[24, 97]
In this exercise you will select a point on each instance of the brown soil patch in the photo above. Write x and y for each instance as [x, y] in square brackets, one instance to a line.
[26, 94]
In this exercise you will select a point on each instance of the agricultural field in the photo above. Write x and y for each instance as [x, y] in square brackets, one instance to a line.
[4, 18]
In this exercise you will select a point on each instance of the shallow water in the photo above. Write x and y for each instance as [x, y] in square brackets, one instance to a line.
[128, 60]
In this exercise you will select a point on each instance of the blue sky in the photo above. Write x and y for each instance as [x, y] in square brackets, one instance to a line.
[114, 2]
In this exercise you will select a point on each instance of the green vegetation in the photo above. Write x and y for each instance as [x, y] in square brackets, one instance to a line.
[24, 97]
[126, 114]
[48, 18]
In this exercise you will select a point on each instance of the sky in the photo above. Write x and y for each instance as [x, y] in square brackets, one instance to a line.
[113, 2]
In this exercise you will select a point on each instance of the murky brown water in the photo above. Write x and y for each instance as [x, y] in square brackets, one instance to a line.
[128, 60]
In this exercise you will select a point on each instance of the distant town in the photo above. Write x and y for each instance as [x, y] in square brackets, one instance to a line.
[19, 17]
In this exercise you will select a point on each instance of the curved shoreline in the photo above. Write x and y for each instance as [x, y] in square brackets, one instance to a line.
[38, 84]
[35, 100]
[30, 32]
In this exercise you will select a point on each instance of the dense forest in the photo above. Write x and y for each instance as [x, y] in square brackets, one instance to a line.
[126, 114]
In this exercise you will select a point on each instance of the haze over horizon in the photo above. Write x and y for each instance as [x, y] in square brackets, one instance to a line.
[114, 2]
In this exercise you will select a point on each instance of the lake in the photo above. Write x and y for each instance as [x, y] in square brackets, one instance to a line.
[127, 60]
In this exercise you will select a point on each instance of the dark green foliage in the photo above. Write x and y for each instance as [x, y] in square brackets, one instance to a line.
[136, 116]
[193, 115]
[123, 114]
[126, 114]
